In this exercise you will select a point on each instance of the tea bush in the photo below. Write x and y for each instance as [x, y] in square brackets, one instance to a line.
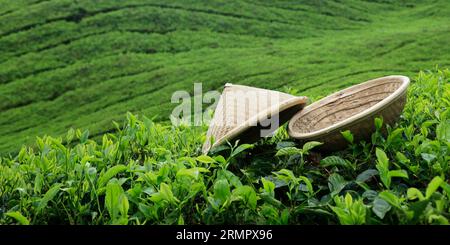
[150, 173]
[84, 63]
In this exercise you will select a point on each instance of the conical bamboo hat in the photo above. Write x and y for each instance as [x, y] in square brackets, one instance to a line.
[249, 113]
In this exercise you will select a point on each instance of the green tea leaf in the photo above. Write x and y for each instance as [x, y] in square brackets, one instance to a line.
[288, 151]
[230, 177]
[221, 191]
[240, 149]
[349, 211]
[446, 187]
[180, 220]
[433, 186]
[146, 210]
[380, 207]
[165, 194]
[48, 196]
[268, 187]
[402, 158]
[191, 172]
[220, 159]
[113, 192]
[378, 123]
[443, 131]
[109, 174]
[366, 175]
[38, 183]
[394, 136]
[336, 183]
[308, 184]
[84, 136]
[348, 136]
[70, 135]
[19, 217]
[414, 193]
[391, 198]
[398, 173]
[124, 205]
[334, 161]
[428, 157]
[205, 159]
[418, 208]
[310, 145]
[246, 194]
[383, 160]
[284, 144]
[370, 195]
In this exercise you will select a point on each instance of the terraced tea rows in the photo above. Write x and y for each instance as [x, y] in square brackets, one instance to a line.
[83, 64]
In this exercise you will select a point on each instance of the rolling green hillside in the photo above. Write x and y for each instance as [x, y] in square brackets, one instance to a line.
[83, 63]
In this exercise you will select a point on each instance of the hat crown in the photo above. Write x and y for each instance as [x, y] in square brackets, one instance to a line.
[240, 107]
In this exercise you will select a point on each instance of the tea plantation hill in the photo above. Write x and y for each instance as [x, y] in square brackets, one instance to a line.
[83, 64]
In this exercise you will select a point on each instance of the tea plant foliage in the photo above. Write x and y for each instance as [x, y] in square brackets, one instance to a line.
[150, 173]
[84, 63]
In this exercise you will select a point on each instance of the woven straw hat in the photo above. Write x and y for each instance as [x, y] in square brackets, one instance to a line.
[354, 109]
[249, 113]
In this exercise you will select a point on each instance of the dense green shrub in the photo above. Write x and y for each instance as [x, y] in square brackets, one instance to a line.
[85, 63]
[148, 173]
